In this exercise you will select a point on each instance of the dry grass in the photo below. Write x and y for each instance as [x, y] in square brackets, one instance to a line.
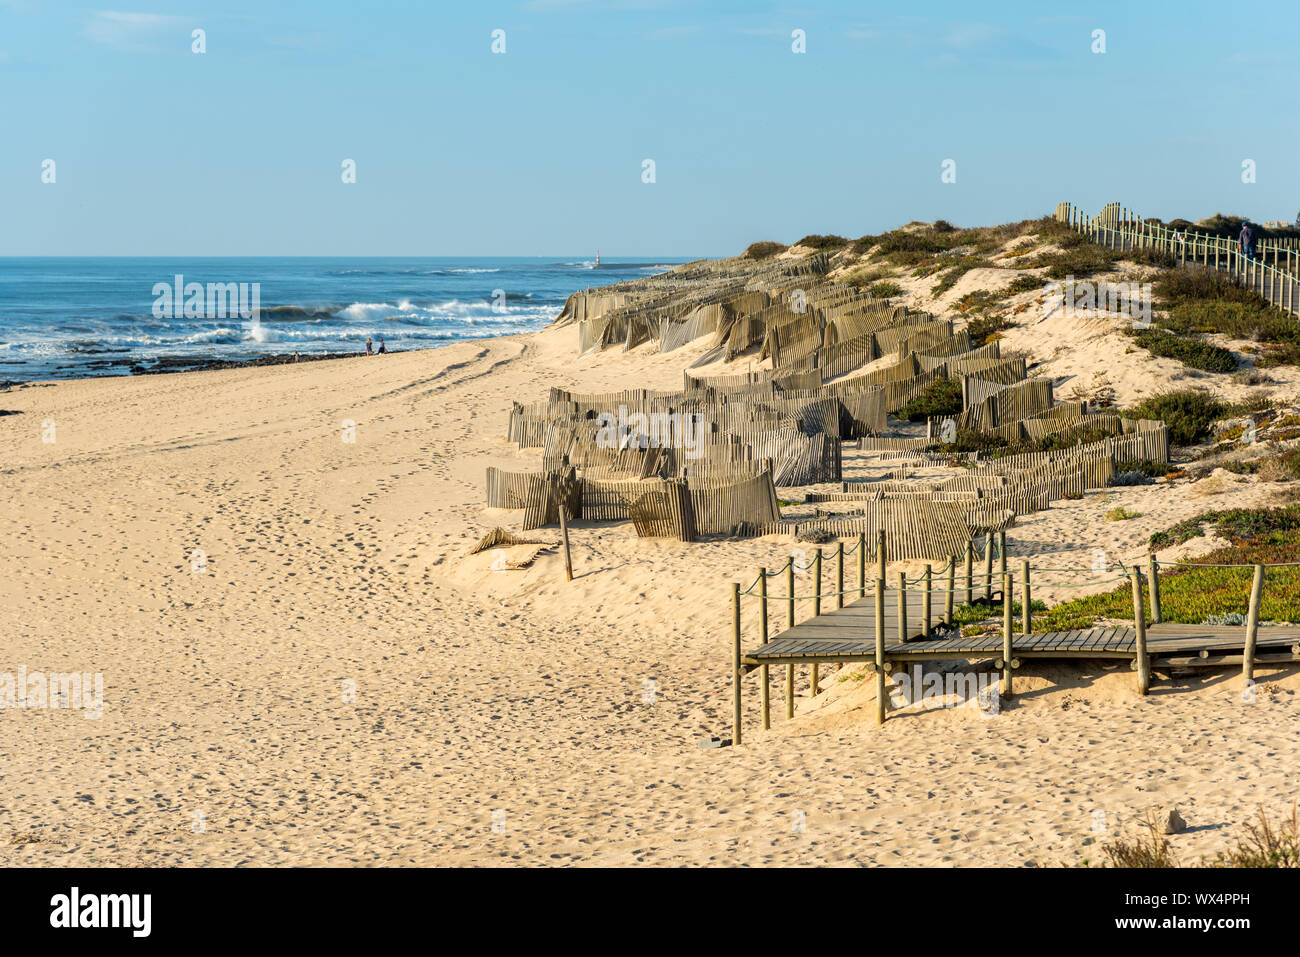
[1266, 843]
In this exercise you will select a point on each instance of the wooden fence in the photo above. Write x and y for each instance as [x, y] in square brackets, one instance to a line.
[1272, 271]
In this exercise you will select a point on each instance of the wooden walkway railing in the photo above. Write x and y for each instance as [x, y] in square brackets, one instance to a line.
[859, 630]
[1273, 272]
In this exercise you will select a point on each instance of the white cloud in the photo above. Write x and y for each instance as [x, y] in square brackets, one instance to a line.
[128, 31]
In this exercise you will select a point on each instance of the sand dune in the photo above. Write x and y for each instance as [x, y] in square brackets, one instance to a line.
[342, 685]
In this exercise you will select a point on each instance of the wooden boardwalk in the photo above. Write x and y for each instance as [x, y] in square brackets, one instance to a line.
[848, 634]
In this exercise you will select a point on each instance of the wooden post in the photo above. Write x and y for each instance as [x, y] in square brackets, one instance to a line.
[951, 597]
[789, 590]
[1140, 629]
[736, 673]
[1153, 588]
[1006, 635]
[789, 618]
[839, 575]
[817, 578]
[1002, 553]
[880, 555]
[902, 607]
[862, 565]
[1026, 602]
[814, 669]
[988, 568]
[970, 571]
[880, 650]
[925, 600]
[564, 536]
[1252, 624]
[762, 633]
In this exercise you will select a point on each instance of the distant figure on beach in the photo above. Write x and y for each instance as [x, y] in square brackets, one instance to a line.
[382, 347]
[1247, 241]
[370, 350]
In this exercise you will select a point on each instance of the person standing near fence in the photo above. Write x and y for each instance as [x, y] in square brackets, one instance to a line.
[1247, 239]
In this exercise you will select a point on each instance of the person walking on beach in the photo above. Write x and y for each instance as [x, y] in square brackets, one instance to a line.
[370, 351]
[1247, 240]
[382, 347]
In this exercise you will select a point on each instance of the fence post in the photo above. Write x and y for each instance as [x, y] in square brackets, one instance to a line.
[1252, 624]
[988, 568]
[1002, 553]
[1140, 630]
[1026, 614]
[789, 618]
[970, 571]
[880, 555]
[862, 565]
[949, 598]
[902, 607]
[766, 691]
[736, 673]
[814, 670]
[1153, 587]
[817, 577]
[839, 575]
[1006, 635]
[925, 600]
[789, 591]
[880, 650]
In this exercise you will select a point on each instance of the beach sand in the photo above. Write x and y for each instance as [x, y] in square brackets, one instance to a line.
[341, 685]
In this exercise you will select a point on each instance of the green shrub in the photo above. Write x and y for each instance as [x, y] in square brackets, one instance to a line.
[958, 268]
[1070, 437]
[983, 329]
[1188, 413]
[1024, 283]
[823, 242]
[764, 249]
[1191, 352]
[1234, 524]
[940, 397]
[1197, 283]
[866, 275]
[980, 299]
[1146, 467]
[909, 247]
[885, 289]
[1080, 262]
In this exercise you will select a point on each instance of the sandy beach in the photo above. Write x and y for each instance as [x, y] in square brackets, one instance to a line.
[339, 684]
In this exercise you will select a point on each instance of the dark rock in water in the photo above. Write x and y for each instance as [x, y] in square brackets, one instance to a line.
[166, 364]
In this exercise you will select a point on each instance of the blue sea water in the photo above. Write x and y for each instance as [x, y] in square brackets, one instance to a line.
[71, 317]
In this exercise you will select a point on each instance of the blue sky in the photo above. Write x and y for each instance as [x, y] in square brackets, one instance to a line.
[539, 151]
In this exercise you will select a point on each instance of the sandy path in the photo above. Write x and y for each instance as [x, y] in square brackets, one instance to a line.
[335, 566]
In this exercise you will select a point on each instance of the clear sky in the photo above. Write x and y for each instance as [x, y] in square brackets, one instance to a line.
[539, 151]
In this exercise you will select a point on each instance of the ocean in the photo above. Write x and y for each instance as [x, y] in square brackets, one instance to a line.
[73, 317]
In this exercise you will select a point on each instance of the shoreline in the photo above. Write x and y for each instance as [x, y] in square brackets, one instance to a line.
[176, 365]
